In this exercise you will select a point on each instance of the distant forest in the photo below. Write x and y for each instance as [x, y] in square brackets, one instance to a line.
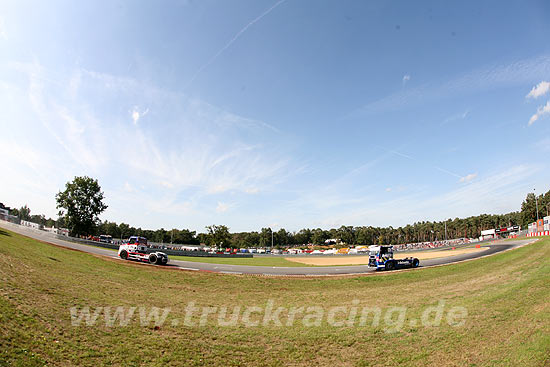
[350, 235]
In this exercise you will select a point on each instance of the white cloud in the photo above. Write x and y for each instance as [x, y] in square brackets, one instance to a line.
[406, 78]
[136, 115]
[128, 187]
[193, 150]
[232, 40]
[499, 191]
[468, 178]
[388, 189]
[539, 90]
[491, 77]
[222, 207]
[541, 111]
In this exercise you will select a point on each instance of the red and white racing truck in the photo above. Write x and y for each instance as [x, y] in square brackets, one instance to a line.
[136, 249]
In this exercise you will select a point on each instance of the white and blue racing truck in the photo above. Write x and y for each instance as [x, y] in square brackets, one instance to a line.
[136, 249]
[381, 258]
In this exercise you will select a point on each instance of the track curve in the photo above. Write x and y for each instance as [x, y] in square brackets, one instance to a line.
[493, 248]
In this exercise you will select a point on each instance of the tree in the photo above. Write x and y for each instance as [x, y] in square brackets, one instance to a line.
[265, 237]
[124, 231]
[185, 236]
[218, 235]
[319, 236]
[81, 203]
[283, 238]
[24, 213]
[528, 209]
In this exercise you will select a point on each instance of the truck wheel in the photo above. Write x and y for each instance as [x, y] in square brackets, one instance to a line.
[390, 265]
[153, 259]
[123, 255]
[415, 263]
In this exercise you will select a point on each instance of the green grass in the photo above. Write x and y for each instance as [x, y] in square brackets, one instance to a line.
[251, 261]
[506, 295]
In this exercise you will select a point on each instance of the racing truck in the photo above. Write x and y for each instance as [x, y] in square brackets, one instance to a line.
[381, 258]
[136, 249]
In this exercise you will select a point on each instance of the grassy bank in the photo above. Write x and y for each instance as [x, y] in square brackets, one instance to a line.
[506, 298]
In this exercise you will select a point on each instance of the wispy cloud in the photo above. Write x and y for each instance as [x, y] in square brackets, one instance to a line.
[541, 111]
[498, 191]
[193, 151]
[136, 114]
[446, 171]
[539, 90]
[232, 40]
[455, 117]
[468, 178]
[222, 207]
[519, 72]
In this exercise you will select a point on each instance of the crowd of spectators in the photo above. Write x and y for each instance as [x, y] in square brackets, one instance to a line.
[431, 244]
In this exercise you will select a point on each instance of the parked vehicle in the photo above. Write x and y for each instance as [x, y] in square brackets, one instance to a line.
[105, 238]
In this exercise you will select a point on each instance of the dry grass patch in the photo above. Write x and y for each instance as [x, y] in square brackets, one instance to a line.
[506, 296]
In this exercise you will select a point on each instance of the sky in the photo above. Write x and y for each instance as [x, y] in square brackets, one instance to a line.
[285, 114]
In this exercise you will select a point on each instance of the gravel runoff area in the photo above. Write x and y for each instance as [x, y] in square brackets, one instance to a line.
[489, 249]
[362, 260]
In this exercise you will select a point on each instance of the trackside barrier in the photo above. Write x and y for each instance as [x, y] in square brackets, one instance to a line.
[166, 251]
[537, 234]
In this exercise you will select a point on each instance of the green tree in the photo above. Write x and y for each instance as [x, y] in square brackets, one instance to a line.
[24, 213]
[186, 237]
[265, 237]
[528, 210]
[124, 231]
[81, 203]
[218, 235]
[303, 237]
[15, 212]
[319, 236]
[50, 223]
[283, 237]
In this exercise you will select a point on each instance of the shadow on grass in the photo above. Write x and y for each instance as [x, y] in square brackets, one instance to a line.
[4, 233]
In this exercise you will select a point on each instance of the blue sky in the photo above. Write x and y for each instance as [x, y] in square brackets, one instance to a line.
[285, 114]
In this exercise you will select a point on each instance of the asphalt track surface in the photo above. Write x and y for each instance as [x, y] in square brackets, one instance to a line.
[494, 247]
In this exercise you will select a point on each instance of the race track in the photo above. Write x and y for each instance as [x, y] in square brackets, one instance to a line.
[263, 270]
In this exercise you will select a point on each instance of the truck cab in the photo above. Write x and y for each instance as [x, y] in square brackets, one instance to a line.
[379, 255]
[138, 244]
[381, 258]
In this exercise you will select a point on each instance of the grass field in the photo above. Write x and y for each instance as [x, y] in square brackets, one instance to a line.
[507, 298]
[251, 261]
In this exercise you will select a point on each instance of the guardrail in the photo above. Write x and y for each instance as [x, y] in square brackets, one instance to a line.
[166, 251]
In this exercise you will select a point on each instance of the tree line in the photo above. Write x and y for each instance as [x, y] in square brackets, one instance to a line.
[82, 202]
